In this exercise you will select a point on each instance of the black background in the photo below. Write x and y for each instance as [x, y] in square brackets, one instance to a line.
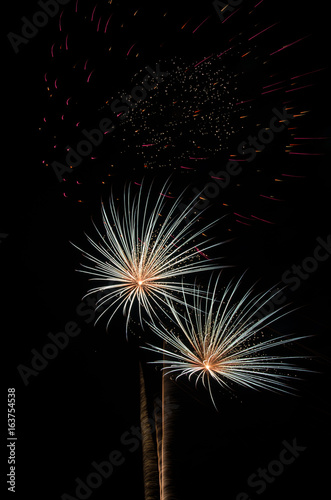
[75, 411]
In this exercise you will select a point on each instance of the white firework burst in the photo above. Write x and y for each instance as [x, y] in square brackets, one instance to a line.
[221, 340]
[145, 252]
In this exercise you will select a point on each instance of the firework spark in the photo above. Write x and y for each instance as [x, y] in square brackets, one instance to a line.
[192, 114]
[223, 340]
[144, 253]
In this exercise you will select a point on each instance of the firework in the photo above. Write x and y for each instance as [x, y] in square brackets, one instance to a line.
[218, 92]
[189, 117]
[223, 340]
[145, 251]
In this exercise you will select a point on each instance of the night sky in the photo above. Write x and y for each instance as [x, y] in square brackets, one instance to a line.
[83, 405]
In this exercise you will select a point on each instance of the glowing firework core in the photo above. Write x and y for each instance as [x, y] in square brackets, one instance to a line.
[209, 365]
